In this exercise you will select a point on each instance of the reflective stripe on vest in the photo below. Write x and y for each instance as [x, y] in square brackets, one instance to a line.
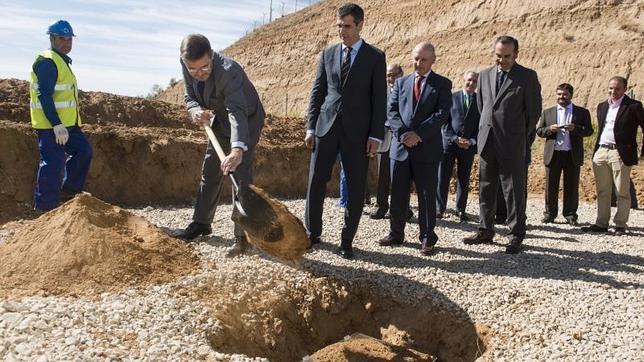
[58, 105]
[65, 94]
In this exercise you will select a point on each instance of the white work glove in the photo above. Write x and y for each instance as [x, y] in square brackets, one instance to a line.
[61, 134]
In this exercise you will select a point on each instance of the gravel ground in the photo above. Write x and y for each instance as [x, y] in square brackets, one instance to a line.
[568, 296]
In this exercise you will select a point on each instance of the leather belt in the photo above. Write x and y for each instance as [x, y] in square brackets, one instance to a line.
[611, 146]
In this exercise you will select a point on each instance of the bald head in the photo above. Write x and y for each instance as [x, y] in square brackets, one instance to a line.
[423, 57]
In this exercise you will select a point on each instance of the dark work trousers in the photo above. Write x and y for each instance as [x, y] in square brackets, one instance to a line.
[354, 162]
[562, 162]
[212, 181]
[61, 167]
[463, 159]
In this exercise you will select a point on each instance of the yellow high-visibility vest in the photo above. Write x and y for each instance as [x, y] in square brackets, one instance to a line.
[65, 94]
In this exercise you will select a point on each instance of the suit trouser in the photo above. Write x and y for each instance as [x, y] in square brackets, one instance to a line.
[511, 175]
[609, 170]
[212, 181]
[632, 191]
[425, 177]
[61, 164]
[384, 181]
[464, 160]
[562, 162]
[354, 160]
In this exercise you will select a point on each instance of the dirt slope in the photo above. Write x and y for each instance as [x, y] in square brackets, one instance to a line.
[581, 42]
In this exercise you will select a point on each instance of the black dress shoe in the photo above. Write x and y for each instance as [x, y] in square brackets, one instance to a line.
[314, 240]
[379, 214]
[619, 231]
[571, 220]
[499, 221]
[240, 247]
[594, 229]
[193, 230]
[547, 219]
[346, 252]
[439, 215]
[463, 216]
[515, 246]
[389, 240]
[481, 237]
[427, 247]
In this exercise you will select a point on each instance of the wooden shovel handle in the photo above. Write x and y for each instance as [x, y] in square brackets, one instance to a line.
[215, 143]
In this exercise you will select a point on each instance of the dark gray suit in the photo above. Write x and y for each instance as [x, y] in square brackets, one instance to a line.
[507, 117]
[342, 118]
[418, 163]
[567, 161]
[459, 124]
[239, 119]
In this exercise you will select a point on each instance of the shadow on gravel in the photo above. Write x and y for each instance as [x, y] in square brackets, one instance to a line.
[536, 262]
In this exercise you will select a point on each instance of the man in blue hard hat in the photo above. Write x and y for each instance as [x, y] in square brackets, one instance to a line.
[65, 153]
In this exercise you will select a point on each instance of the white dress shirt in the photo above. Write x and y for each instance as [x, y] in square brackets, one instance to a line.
[564, 118]
[608, 134]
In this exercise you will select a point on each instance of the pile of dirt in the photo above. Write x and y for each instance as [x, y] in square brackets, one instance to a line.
[358, 348]
[284, 317]
[87, 246]
[579, 42]
[98, 108]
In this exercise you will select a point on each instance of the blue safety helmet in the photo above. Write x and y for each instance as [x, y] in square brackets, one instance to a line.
[60, 28]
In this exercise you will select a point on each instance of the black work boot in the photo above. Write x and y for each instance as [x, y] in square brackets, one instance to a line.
[240, 247]
[193, 230]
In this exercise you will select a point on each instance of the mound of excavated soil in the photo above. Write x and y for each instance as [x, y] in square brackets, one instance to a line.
[87, 246]
[358, 348]
[98, 108]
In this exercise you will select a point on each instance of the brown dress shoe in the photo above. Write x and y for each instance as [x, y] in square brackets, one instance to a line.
[390, 241]
[481, 237]
[427, 249]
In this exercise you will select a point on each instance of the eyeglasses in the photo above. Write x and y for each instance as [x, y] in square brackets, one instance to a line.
[205, 69]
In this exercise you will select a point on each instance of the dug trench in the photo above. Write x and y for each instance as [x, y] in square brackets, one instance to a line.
[288, 317]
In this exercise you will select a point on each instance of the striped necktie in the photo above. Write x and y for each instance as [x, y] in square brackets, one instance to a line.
[346, 65]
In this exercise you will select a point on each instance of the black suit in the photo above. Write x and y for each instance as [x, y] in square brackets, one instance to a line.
[465, 124]
[508, 114]
[569, 162]
[342, 118]
[418, 163]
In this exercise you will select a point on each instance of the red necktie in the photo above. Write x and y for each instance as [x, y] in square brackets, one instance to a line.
[417, 90]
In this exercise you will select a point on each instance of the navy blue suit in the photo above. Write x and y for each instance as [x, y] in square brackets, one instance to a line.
[459, 124]
[418, 163]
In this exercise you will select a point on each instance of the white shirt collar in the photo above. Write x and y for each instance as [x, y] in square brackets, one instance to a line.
[424, 75]
[355, 47]
[568, 107]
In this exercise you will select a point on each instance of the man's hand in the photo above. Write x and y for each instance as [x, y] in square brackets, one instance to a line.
[570, 127]
[554, 128]
[61, 133]
[372, 147]
[463, 143]
[234, 159]
[202, 118]
[410, 139]
[309, 140]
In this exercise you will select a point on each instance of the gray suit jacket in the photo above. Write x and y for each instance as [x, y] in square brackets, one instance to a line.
[512, 113]
[360, 101]
[239, 114]
[583, 128]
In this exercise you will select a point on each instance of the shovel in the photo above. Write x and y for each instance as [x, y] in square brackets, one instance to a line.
[222, 155]
[267, 223]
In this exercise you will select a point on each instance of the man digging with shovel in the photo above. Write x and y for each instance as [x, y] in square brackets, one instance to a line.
[218, 94]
